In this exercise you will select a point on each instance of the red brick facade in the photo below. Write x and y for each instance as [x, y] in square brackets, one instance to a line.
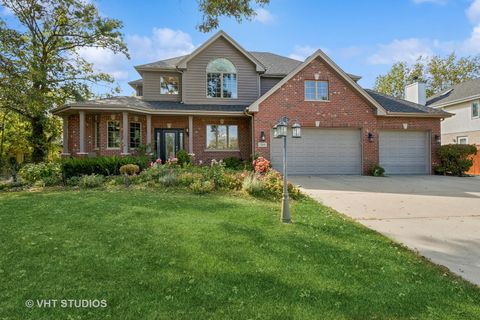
[346, 108]
[158, 122]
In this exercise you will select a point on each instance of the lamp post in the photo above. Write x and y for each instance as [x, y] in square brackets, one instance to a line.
[280, 130]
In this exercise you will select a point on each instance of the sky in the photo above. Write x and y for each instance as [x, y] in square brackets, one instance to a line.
[363, 37]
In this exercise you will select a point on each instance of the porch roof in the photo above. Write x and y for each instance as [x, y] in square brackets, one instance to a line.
[135, 104]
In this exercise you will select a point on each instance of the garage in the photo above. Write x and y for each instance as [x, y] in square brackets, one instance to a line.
[320, 152]
[404, 152]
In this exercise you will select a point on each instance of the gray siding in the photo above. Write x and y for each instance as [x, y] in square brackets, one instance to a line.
[151, 86]
[267, 84]
[195, 75]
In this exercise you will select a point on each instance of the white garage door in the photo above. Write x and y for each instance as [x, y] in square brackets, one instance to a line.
[320, 151]
[405, 152]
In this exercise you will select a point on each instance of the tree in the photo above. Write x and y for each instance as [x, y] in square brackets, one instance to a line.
[437, 72]
[40, 65]
[214, 9]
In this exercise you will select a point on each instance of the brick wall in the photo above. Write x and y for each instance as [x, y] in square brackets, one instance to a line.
[346, 108]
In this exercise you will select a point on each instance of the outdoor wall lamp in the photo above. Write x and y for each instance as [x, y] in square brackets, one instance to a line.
[187, 131]
[438, 139]
[262, 136]
[370, 137]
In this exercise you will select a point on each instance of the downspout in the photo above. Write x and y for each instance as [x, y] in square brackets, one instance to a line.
[252, 126]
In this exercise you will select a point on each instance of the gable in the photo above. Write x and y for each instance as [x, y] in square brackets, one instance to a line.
[320, 56]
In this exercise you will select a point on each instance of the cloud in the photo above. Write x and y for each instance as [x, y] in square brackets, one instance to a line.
[302, 52]
[161, 44]
[407, 50]
[264, 16]
[104, 60]
[352, 51]
[473, 12]
[442, 2]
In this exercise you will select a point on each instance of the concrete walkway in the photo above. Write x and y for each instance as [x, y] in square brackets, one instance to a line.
[437, 216]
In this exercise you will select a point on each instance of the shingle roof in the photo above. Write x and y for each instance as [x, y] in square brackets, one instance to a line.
[136, 82]
[460, 91]
[275, 64]
[392, 104]
[134, 102]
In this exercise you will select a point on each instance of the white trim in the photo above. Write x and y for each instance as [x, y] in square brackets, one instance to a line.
[254, 107]
[228, 136]
[82, 131]
[221, 150]
[316, 82]
[190, 134]
[462, 137]
[453, 102]
[113, 148]
[130, 133]
[170, 94]
[182, 64]
[478, 109]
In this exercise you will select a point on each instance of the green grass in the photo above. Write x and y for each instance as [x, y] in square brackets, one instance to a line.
[171, 255]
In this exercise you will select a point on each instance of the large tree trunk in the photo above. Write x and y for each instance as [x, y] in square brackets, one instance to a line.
[38, 139]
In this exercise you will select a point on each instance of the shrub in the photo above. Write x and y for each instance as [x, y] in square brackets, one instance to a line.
[273, 186]
[152, 174]
[169, 180]
[73, 181]
[34, 172]
[377, 171]
[261, 165]
[91, 181]
[105, 166]
[187, 178]
[233, 181]
[253, 185]
[129, 169]
[202, 187]
[216, 172]
[184, 159]
[233, 163]
[455, 159]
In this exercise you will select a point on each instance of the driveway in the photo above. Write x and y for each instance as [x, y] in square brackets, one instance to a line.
[437, 216]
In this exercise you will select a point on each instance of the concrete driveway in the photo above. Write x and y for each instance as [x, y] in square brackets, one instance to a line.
[437, 216]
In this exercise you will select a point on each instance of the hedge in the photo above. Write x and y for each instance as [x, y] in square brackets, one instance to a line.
[455, 159]
[106, 166]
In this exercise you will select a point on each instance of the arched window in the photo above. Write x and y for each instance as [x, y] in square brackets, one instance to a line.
[221, 79]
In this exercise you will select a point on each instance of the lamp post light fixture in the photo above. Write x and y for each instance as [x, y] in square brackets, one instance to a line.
[280, 130]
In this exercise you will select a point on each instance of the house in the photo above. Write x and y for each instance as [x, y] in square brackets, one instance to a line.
[462, 100]
[222, 101]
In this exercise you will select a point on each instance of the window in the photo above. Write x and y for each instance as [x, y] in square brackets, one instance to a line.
[168, 85]
[462, 140]
[316, 90]
[221, 79]
[221, 137]
[135, 134]
[97, 134]
[113, 134]
[475, 112]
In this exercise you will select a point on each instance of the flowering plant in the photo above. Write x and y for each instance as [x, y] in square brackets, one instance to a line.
[261, 165]
[156, 164]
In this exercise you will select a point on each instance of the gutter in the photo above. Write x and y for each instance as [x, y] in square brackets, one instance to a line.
[248, 114]
[450, 103]
[417, 115]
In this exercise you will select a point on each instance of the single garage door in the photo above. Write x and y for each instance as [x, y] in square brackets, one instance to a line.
[405, 152]
[320, 151]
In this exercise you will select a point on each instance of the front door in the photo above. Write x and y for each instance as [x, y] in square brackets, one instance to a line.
[168, 142]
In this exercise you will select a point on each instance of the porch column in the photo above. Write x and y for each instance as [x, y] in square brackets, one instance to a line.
[149, 133]
[125, 133]
[190, 134]
[65, 136]
[82, 132]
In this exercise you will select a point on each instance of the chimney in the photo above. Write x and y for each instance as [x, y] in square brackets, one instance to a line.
[416, 92]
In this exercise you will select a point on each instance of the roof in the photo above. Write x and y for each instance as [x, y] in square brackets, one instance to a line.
[395, 105]
[254, 107]
[275, 65]
[138, 104]
[464, 91]
[136, 82]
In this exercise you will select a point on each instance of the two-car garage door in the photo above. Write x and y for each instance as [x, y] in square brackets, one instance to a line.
[320, 151]
[339, 151]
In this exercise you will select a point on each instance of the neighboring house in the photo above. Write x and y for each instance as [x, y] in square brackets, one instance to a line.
[463, 100]
[222, 101]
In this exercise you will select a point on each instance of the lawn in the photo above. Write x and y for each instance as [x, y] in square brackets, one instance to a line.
[175, 255]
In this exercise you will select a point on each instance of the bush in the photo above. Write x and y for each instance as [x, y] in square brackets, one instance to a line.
[377, 171]
[183, 158]
[169, 180]
[129, 169]
[91, 181]
[202, 187]
[34, 172]
[233, 163]
[73, 181]
[187, 178]
[233, 181]
[106, 166]
[261, 165]
[455, 159]
[273, 186]
[253, 185]
[216, 173]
